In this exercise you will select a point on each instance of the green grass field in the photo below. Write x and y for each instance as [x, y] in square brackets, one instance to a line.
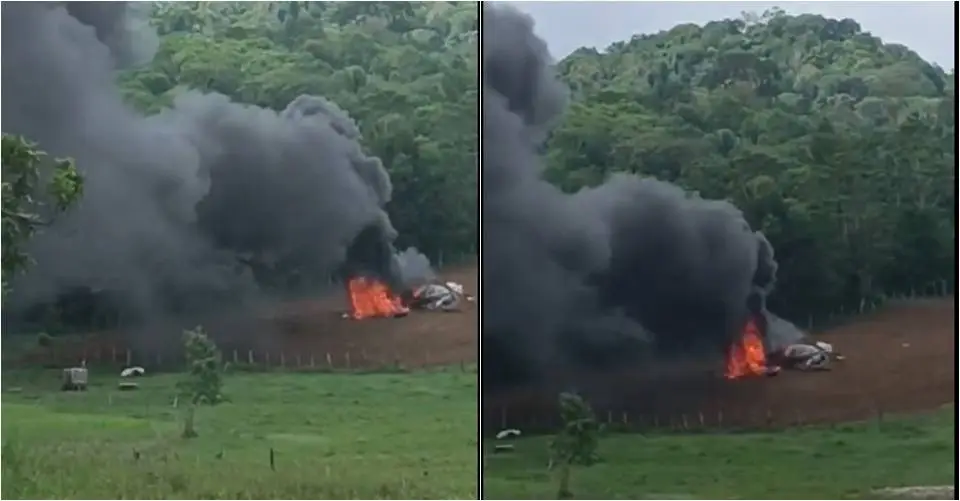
[343, 436]
[815, 463]
[410, 436]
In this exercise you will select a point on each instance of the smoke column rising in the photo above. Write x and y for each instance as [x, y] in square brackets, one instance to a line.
[175, 201]
[631, 268]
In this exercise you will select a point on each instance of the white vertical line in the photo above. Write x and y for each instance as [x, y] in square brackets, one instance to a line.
[479, 248]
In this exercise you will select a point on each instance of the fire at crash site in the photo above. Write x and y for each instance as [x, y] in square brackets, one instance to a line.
[659, 263]
[373, 298]
[747, 355]
[212, 211]
[631, 272]
[242, 253]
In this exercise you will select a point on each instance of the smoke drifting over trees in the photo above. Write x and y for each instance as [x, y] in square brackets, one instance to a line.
[633, 266]
[175, 201]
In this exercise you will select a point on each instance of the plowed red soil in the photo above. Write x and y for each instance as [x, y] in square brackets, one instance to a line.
[899, 359]
[421, 338]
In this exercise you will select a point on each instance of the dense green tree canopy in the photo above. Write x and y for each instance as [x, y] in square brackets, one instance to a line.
[840, 148]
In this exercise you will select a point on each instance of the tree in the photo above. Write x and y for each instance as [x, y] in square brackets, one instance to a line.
[26, 208]
[203, 380]
[839, 147]
[577, 441]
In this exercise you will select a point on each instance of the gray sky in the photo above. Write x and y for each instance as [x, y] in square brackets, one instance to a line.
[925, 27]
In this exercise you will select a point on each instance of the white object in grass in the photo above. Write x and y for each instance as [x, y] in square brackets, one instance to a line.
[512, 432]
[132, 371]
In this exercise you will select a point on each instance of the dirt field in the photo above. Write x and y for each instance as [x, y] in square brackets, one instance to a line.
[305, 332]
[900, 359]
[419, 339]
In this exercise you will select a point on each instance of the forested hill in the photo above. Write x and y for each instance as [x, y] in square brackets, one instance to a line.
[405, 71]
[838, 146]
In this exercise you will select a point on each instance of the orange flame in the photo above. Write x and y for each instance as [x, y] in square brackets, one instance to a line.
[747, 357]
[371, 298]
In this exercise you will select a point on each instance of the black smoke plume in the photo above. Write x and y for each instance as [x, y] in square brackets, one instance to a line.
[208, 203]
[630, 269]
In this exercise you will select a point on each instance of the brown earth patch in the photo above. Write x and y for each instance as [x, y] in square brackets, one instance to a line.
[297, 332]
[899, 359]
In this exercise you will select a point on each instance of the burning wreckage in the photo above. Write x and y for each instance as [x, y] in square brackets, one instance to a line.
[373, 298]
[632, 271]
[750, 356]
[207, 205]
